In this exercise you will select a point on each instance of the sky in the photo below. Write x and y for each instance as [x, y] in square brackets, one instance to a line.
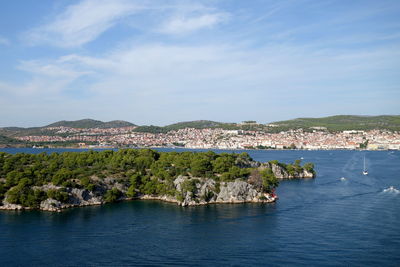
[165, 61]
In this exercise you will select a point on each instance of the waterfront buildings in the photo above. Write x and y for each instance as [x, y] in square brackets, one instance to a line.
[222, 139]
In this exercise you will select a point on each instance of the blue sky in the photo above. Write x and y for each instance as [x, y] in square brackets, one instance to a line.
[160, 62]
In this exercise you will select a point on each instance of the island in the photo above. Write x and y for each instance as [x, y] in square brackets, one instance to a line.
[56, 181]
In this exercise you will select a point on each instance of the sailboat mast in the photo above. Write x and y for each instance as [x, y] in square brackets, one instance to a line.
[365, 170]
[364, 164]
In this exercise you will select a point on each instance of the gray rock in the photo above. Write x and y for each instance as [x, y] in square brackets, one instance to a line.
[83, 197]
[279, 171]
[206, 191]
[9, 206]
[237, 191]
[178, 182]
[51, 205]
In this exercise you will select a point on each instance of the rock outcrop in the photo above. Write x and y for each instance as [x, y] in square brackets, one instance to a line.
[9, 206]
[83, 197]
[208, 191]
[51, 205]
[281, 172]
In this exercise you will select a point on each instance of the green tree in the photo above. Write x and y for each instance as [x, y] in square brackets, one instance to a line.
[131, 191]
[200, 167]
[59, 195]
[269, 181]
[223, 163]
[112, 195]
[24, 195]
[62, 176]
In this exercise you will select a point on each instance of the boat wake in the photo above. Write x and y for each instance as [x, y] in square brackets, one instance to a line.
[391, 189]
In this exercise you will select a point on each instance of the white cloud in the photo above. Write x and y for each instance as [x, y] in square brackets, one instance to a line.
[46, 78]
[186, 24]
[162, 83]
[158, 71]
[252, 70]
[82, 23]
[52, 69]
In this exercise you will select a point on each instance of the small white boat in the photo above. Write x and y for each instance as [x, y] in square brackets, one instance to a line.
[365, 172]
[391, 189]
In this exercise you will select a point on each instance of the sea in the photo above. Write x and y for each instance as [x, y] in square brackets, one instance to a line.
[340, 218]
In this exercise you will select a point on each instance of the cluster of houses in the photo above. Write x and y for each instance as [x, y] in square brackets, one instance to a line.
[224, 139]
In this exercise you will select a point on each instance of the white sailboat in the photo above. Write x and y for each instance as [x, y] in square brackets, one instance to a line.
[365, 172]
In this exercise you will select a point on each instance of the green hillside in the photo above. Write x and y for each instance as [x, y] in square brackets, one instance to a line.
[9, 141]
[85, 123]
[200, 124]
[342, 123]
[333, 124]
[89, 123]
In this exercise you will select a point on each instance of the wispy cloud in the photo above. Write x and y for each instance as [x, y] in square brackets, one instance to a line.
[191, 59]
[182, 24]
[149, 71]
[53, 69]
[86, 21]
[146, 80]
[82, 23]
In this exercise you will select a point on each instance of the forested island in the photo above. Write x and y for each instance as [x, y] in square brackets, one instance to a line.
[57, 181]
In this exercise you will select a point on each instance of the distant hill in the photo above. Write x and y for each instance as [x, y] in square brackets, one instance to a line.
[333, 124]
[8, 140]
[342, 123]
[89, 123]
[85, 123]
[199, 124]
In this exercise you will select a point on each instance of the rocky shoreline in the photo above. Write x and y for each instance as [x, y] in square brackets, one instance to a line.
[205, 192]
[230, 192]
[206, 179]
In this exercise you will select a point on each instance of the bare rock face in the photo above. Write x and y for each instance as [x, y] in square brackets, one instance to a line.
[237, 192]
[83, 197]
[206, 192]
[246, 163]
[279, 172]
[51, 205]
[46, 187]
[110, 183]
[9, 206]
[178, 182]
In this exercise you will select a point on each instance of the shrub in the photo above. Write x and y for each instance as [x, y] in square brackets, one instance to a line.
[112, 195]
[24, 195]
[131, 191]
[269, 181]
[59, 195]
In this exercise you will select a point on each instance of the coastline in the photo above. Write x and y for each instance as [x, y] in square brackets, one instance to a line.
[15, 207]
[188, 148]
[99, 177]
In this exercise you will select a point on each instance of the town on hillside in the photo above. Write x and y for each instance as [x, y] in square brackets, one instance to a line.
[218, 138]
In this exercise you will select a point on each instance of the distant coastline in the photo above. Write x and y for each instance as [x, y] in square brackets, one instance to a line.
[191, 148]
[331, 133]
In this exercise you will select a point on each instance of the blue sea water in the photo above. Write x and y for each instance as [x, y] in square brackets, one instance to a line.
[340, 218]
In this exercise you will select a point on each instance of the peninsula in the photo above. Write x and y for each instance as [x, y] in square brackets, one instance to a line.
[56, 181]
